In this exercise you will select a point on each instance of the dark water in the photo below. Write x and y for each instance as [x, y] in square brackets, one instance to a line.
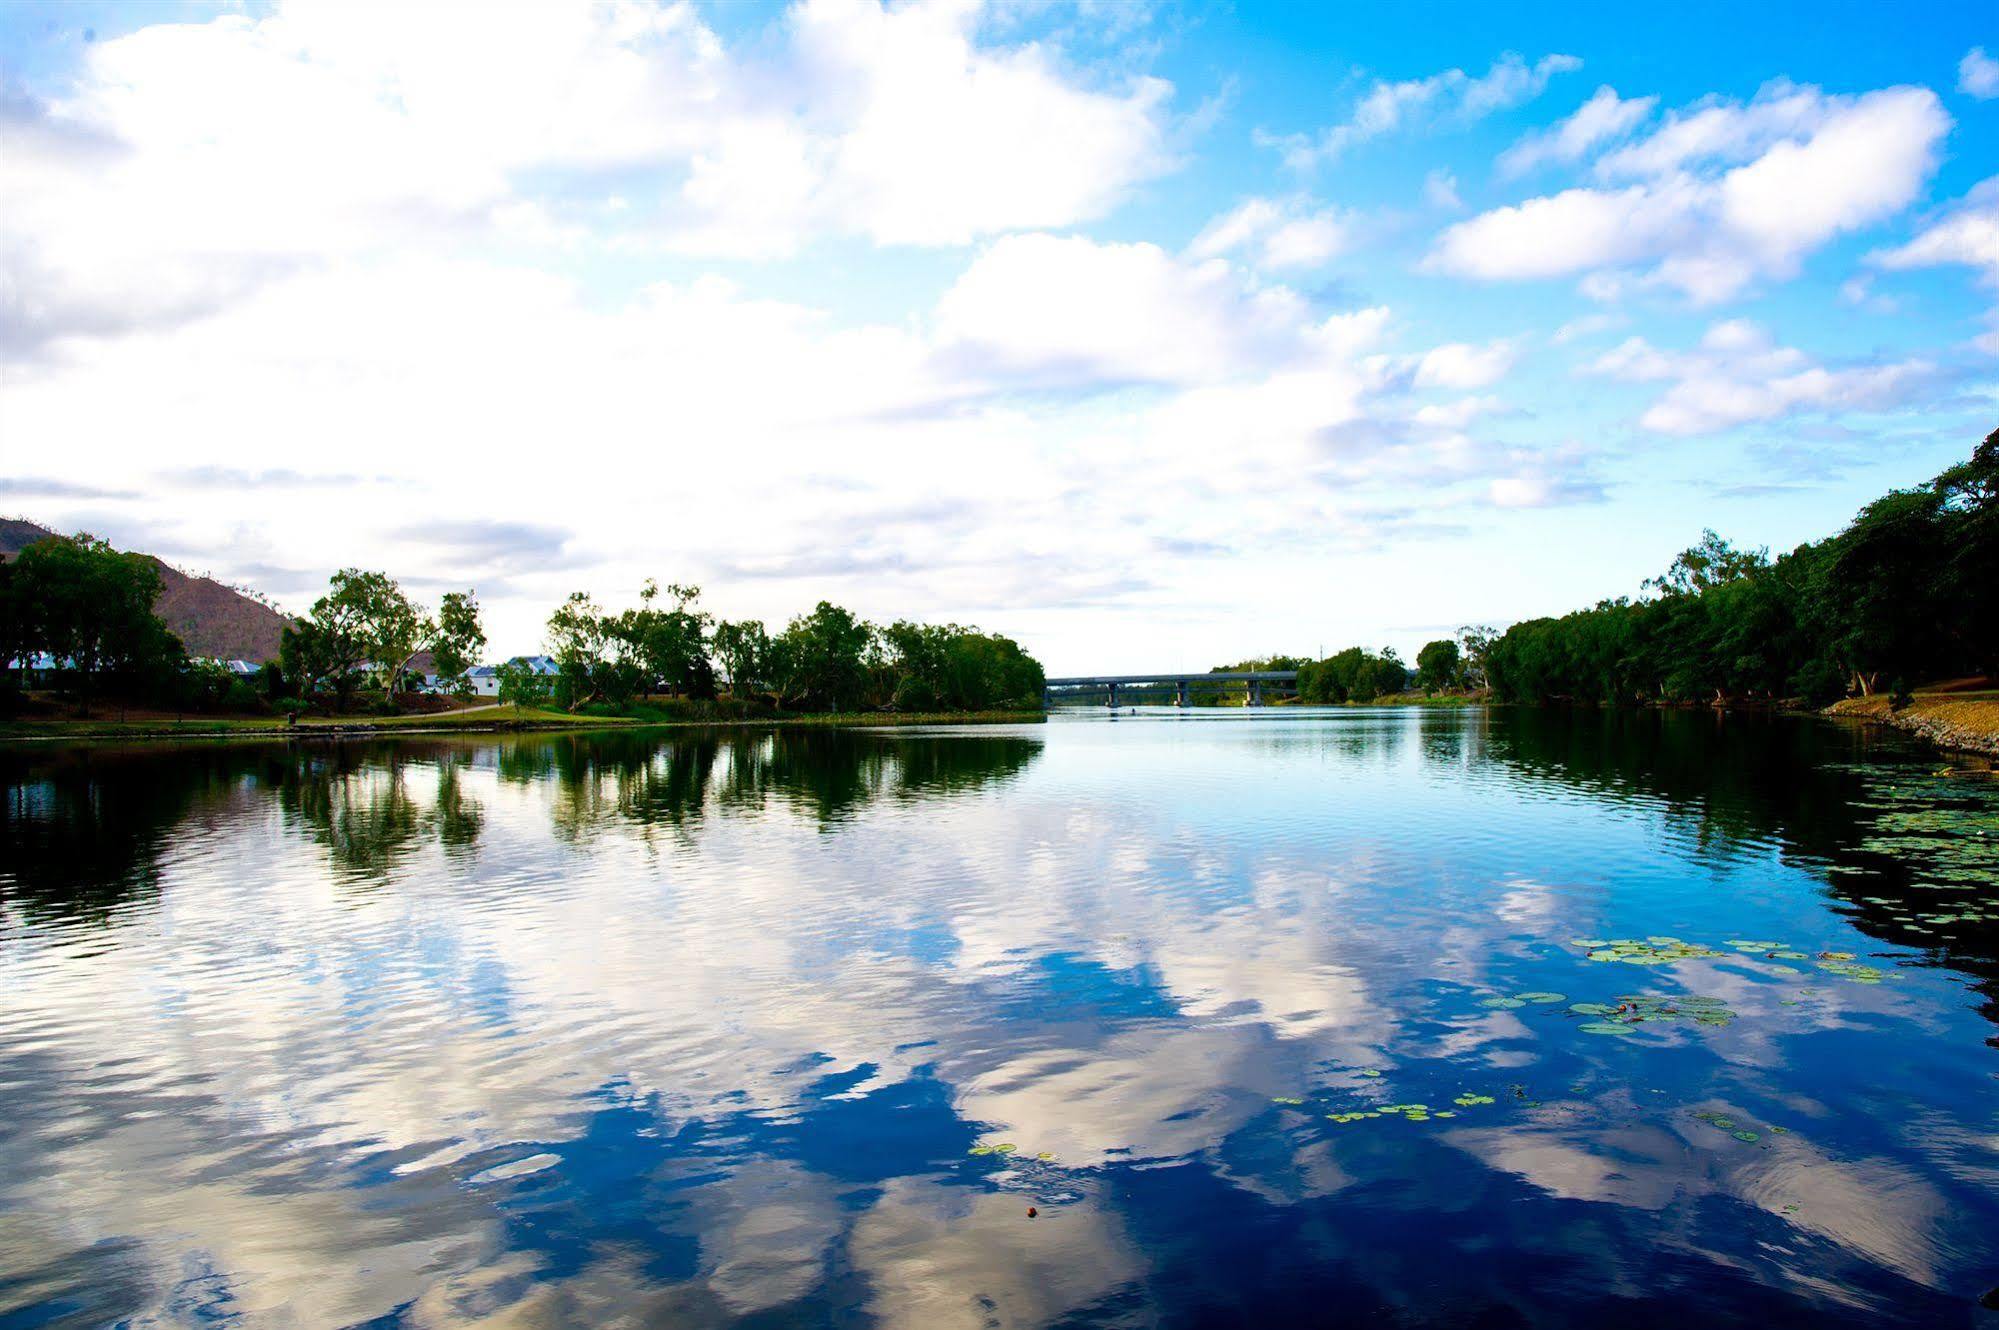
[793, 1029]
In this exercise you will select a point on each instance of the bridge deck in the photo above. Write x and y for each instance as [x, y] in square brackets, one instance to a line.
[1226, 676]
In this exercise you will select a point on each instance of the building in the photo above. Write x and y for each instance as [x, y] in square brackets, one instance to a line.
[485, 679]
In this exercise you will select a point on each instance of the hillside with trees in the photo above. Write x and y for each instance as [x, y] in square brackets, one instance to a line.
[209, 618]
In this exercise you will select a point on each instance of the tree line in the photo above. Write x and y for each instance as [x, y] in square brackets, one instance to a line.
[828, 659]
[89, 609]
[1907, 591]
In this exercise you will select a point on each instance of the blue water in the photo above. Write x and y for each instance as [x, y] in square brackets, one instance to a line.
[679, 1028]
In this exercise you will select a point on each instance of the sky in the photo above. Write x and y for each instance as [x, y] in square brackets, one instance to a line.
[1153, 336]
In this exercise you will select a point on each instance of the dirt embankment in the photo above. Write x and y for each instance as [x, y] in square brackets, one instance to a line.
[1967, 722]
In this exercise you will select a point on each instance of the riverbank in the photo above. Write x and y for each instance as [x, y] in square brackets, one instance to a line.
[482, 720]
[1965, 722]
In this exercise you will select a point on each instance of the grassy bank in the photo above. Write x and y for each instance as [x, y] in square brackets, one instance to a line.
[484, 720]
[1959, 718]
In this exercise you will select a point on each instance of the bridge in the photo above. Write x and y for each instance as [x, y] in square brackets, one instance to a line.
[1182, 684]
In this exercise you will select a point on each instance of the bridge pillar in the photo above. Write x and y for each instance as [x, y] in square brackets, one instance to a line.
[1256, 692]
[1180, 694]
[1112, 702]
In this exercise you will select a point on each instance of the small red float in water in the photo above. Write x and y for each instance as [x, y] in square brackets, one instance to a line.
[1031, 1212]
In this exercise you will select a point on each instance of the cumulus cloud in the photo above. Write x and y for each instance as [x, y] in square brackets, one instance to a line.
[1463, 366]
[1277, 234]
[1738, 375]
[1450, 97]
[1065, 309]
[1978, 74]
[374, 130]
[1723, 196]
[1968, 234]
[1604, 118]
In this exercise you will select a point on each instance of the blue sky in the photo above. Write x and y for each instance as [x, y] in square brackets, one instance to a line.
[1152, 335]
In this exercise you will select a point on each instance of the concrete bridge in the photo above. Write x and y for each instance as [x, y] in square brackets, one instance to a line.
[1252, 681]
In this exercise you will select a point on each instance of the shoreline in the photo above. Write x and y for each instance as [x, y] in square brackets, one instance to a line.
[87, 731]
[1952, 722]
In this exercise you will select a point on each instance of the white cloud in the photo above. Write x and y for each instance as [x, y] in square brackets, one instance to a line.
[1978, 74]
[1604, 118]
[1738, 375]
[373, 130]
[1451, 97]
[1440, 190]
[1067, 310]
[1968, 235]
[1589, 325]
[1464, 366]
[1277, 234]
[1811, 167]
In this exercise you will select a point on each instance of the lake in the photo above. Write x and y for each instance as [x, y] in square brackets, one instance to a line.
[1353, 1017]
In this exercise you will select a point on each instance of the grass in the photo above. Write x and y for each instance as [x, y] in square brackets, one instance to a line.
[470, 720]
[1954, 715]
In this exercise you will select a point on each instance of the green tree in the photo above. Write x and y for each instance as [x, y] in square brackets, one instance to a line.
[744, 647]
[820, 661]
[1438, 666]
[91, 607]
[457, 638]
[521, 686]
[333, 640]
[666, 641]
[1474, 643]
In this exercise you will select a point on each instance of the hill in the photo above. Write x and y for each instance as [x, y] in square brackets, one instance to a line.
[209, 618]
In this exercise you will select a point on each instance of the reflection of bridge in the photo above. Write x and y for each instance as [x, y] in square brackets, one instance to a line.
[1253, 681]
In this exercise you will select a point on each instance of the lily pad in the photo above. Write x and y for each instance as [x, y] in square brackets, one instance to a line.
[1002, 1148]
[1540, 997]
[1604, 1027]
[1503, 1003]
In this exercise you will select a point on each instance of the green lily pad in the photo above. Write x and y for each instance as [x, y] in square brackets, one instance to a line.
[1540, 997]
[1003, 1148]
[1473, 1100]
[1604, 1027]
[1746, 1136]
[1503, 1003]
[1591, 1008]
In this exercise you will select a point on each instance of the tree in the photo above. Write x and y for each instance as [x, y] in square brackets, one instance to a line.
[820, 660]
[1709, 563]
[744, 647]
[458, 638]
[387, 624]
[330, 642]
[1437, 666]
[667, 643]
[91, 608]
[1474, 643]
[575, 637]
[521, 686]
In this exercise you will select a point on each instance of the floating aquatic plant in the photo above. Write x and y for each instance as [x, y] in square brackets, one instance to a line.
[1650, 951]
[1002, 1148]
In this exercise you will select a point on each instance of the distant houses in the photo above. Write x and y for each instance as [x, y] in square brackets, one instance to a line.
[485, 679]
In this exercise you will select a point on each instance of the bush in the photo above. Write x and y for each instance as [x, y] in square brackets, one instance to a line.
[912, 694]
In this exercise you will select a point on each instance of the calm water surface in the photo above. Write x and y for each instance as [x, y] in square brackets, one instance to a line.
[792, 1029]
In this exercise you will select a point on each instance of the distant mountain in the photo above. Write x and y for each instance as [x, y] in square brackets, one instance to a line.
[209, 618]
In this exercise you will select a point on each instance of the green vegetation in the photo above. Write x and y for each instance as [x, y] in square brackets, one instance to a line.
[1908, 590]
[77, 615]
[89, 609]
[826, 661]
